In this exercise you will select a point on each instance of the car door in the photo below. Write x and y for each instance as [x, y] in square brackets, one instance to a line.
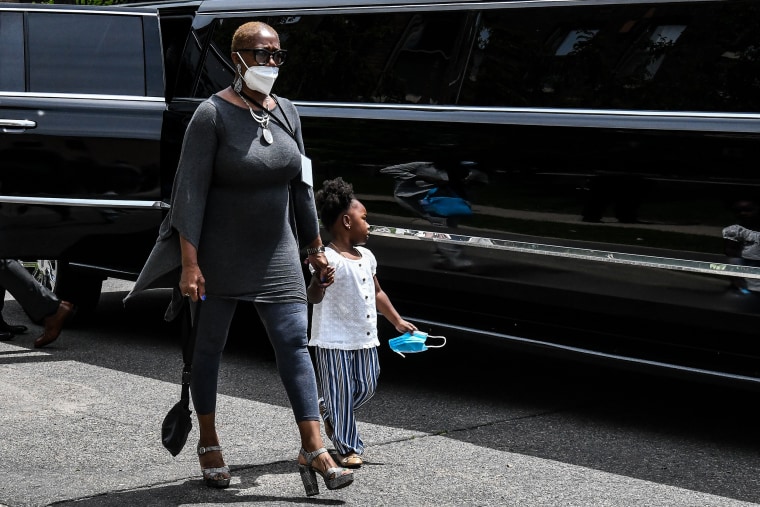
[81, 105]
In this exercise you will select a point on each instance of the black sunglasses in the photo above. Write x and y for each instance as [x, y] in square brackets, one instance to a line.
[262, 56]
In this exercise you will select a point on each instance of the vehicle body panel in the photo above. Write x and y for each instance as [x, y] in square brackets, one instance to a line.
[85, 167]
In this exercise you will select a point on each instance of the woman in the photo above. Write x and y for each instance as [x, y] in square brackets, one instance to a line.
[230, 231]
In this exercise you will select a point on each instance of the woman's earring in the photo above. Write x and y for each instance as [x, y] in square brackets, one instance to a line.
[237, 83]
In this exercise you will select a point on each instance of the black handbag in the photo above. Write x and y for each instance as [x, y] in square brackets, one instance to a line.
[177, 422]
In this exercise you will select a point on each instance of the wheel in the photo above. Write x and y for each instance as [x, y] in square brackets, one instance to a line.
[44, 271]
[82, 289]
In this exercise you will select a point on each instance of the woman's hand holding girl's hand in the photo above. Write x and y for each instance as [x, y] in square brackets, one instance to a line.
[319, 261]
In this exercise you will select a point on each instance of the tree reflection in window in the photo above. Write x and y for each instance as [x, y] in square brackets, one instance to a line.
[646, 59]
[677, 56]
[574, 41]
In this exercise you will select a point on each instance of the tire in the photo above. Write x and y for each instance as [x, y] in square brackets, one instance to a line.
[82, 289]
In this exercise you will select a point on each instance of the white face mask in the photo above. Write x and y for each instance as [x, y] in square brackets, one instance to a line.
[260, 78]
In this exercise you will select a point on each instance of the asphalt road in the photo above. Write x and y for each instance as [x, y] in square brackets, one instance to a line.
[463, 425]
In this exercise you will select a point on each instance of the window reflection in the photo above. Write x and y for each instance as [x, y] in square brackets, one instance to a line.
[419, 66]
[77, 54]
[661, 39]
[574, 41]
[628, 56]
[11, 52]
[395, 58]
[647, 58]
[620, 57]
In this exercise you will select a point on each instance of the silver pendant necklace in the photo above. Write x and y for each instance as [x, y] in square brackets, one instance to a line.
[263, 121]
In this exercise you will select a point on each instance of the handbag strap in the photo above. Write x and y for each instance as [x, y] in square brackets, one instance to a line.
[189, 331]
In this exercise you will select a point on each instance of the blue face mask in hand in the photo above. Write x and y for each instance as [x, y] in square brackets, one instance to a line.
[413, 342]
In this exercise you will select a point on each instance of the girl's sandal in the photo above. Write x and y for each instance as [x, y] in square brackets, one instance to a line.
[218, 477]
[350, 460]
[334, 477]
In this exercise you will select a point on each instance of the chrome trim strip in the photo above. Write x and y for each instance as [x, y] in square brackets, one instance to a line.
[656, 120]
[85, 96]
[108, 11]
[95, 203]
[643, 261]
[585, 352]
[602, 118]
[16, 124]
[533, 110]
[243, 7]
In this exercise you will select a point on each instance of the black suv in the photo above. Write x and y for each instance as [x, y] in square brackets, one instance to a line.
[596, 151]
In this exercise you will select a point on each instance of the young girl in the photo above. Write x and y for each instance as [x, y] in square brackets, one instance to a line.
[344, 321]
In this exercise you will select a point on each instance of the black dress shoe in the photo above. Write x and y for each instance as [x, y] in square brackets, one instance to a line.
[5, 336]
[13, 329]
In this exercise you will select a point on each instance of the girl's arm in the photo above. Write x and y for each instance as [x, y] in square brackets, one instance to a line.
[384, 306]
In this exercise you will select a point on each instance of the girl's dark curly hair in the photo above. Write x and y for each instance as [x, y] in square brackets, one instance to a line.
[333, 200]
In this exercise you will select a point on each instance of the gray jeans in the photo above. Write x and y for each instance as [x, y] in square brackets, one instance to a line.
[36, 299]
[286, 324]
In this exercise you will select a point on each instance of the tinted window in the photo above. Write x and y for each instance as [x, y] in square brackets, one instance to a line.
[188, 69]
[682, 56]
[401, 58]
[11, 52]
[81, 53]
[174, 35]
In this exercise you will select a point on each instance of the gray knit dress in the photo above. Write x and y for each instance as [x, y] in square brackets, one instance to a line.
[231, 201]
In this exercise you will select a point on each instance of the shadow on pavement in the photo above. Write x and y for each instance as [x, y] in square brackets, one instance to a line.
[195, 492]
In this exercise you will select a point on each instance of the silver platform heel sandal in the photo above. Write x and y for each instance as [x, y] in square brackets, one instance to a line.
[214, 477]
[334, 477]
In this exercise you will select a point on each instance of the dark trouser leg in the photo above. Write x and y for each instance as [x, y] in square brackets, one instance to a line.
[213, 327]
[36, 300]
[286, 325]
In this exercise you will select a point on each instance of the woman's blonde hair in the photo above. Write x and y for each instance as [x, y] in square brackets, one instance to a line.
[248, 31]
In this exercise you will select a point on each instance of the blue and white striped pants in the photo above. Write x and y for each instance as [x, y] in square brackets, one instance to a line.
[348, 379]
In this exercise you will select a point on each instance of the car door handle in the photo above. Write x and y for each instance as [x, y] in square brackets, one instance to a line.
[10, 126]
